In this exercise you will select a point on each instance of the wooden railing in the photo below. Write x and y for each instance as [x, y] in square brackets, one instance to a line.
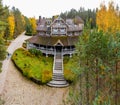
[52, 51]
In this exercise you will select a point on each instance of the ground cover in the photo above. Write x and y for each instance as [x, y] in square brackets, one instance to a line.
[37, 67]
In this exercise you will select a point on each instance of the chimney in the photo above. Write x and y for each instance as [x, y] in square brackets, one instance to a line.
[53, 18]
[39, 18]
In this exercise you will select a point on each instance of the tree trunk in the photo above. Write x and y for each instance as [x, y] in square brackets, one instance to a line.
[87, 84]
[81, 90]
[87, 88]
[116, 85]
[97, 77]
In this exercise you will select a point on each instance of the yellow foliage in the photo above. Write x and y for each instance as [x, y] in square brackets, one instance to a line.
[11, 25]
[102, 67]
[33, 24]
[108, 19]
[46, 76]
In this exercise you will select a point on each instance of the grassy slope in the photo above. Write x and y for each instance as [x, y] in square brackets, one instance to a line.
[39, 68]
[68, 68]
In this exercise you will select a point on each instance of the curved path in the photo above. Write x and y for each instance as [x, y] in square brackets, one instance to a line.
[17, 90]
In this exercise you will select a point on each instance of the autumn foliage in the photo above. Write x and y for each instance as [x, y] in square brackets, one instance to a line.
[11, 25]
[107, 19]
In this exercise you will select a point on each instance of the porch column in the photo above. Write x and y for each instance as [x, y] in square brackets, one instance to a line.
[70, 52]
[46, 51]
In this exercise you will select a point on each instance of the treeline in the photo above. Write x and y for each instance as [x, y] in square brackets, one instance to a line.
[3, 24]
[84, 14]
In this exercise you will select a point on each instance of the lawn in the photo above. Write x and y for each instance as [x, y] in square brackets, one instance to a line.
[39, 67]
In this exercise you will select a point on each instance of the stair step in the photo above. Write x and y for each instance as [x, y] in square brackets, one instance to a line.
[58, 79]
[58, 67]
[58, 84]
[58, 74]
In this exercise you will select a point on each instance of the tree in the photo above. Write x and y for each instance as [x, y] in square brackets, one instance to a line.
[3, 12]
[97, 55]
[11, 26]
[33, 25]
[19, 23]
[101, 19]
[107, 19]
[84, 14]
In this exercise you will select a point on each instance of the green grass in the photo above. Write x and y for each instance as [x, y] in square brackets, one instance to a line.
[40, 67]
[68, 69]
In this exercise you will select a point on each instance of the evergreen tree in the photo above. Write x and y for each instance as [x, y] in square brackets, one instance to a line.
[3, 12]
[19, 23]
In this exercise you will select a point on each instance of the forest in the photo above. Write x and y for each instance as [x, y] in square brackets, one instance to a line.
[97, 57]
[97, 60]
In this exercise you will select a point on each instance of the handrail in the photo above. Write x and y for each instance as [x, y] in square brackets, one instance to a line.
[54, 60]
[62, 63]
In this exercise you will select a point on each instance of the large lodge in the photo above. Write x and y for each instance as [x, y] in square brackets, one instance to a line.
[56, 37]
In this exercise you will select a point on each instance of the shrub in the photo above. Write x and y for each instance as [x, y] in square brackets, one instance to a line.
[35, 52]
[69, 75]
[46, 76]
[68, 69]
[24, 45]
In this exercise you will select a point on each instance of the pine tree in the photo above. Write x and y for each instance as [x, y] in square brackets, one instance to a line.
[2, 29]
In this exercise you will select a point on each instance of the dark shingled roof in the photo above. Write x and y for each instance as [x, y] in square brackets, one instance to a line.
[52, 40]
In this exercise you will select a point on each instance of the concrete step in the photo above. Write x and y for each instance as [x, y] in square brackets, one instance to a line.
[57, 77]
[59, 84]
[58, 74]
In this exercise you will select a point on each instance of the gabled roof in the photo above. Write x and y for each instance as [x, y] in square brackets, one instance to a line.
[59, 18]
[79, 20]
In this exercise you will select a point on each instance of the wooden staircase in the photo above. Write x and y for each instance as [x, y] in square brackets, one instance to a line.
[58, 79]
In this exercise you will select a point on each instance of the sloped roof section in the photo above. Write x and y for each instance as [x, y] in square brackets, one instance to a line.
[52, 40]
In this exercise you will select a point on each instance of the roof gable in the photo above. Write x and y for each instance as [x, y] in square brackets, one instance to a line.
[59, 21]
[58, 43]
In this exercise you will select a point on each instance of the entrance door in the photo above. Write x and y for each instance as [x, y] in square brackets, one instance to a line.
[58, 48]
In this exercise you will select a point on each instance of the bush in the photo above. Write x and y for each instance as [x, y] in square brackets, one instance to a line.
[35, 52]
[24, 45]
[68, 69]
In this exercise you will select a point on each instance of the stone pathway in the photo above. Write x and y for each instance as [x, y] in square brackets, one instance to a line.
[17, 90]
